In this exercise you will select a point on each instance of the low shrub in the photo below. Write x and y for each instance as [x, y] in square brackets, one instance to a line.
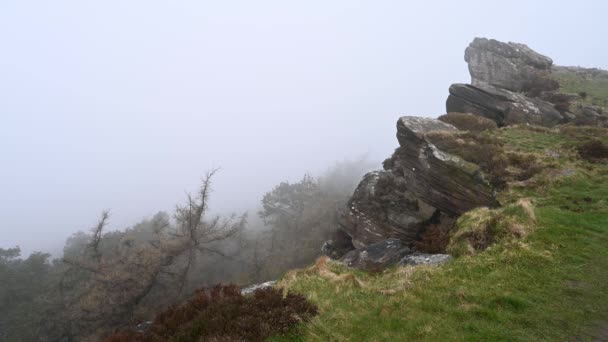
[560, 101]
[223, 314]
[434, 239]
[536, 85]
[562, 107]
[468, 122]
[523, 166]
[584, 132]
[594, 151]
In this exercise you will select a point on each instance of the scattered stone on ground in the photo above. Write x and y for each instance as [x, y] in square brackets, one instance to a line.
[425, 259]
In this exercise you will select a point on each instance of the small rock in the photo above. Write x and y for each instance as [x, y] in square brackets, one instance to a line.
[250, 289]
[425, 259]
[340, 244]
[143, 327]
[377, 256]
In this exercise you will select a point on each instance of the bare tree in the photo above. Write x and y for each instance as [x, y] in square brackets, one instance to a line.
[112, 283]
[97, 232]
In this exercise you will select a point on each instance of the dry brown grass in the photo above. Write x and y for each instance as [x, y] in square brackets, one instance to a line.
[477, 229]
[321, 269]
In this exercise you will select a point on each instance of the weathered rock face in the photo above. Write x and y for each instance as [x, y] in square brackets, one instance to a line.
[510, 84]
[377, 256]
[444, 181]
[503, 106]
[383, 207]
[420, 185]
[509, 66]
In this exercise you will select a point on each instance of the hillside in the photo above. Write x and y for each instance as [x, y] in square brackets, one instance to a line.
[548, 285]
[530, 269]
[488, 223]
[591, 84]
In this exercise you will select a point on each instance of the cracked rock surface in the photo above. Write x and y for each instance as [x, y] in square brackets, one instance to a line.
[420, 185]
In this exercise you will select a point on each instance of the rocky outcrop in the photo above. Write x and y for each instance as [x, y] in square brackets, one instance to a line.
[510, 84]
[510, 66]
[376, 257]
[503, 106]
[423, 186]
[444, 181]
[420, 185]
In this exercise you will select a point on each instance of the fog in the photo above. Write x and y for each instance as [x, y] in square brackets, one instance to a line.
[125, 104]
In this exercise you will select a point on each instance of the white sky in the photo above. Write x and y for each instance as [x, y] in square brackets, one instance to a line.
[125, 104]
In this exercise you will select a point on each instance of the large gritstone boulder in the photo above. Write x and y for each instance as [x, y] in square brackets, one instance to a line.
[420, 185]
[503, 106]
[509, 66]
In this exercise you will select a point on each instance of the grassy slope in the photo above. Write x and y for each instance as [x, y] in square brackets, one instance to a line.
[551, 285]
[595, 86]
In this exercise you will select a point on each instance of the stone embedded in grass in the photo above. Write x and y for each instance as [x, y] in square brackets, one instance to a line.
[377, 256]
[340, 244]
[425, 259]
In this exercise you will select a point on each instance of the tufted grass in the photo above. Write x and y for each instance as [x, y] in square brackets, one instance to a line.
[550, 285]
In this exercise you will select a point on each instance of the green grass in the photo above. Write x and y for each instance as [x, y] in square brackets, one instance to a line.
[596, 87]
[532, 141]
[550, 285]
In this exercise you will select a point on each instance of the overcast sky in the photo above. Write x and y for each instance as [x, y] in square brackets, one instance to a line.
[125, 104]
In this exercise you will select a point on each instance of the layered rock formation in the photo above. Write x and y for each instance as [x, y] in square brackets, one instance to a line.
[510, 84]
[503, 106]
[510, 66]
[420, 185]
[423, 186]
